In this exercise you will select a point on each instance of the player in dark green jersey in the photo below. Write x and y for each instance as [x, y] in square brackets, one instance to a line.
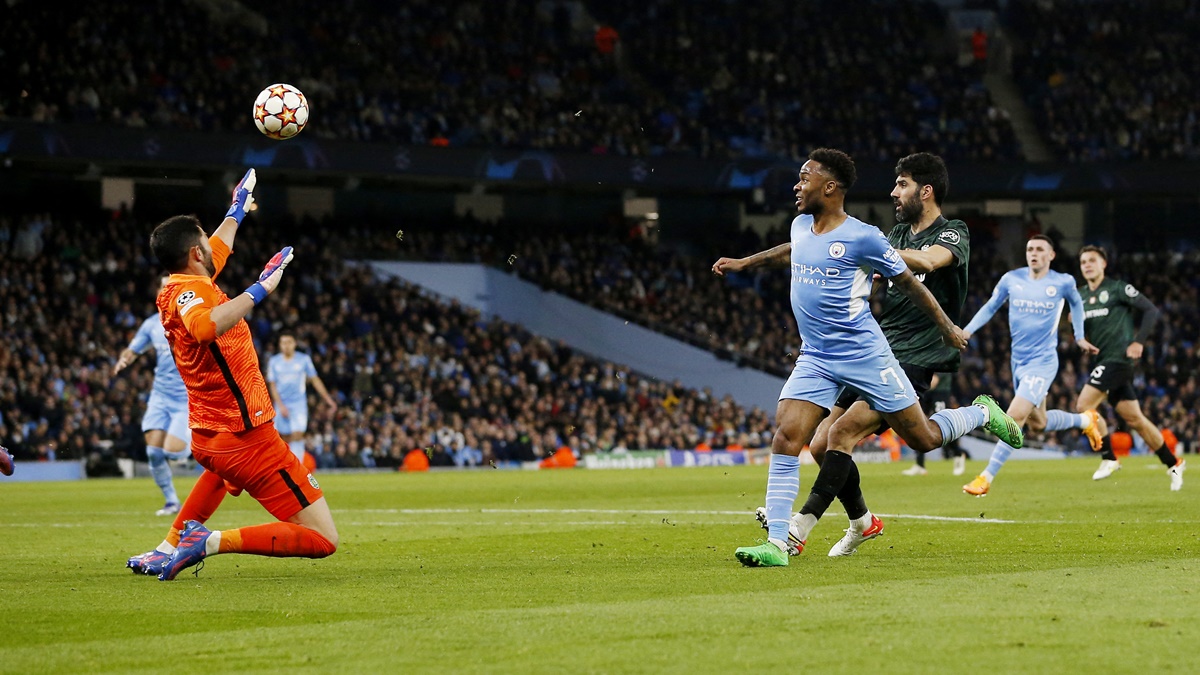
[937, 251]
[1108, 308]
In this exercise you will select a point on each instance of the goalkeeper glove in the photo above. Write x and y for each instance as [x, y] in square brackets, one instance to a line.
[279, 261]
[243, 197]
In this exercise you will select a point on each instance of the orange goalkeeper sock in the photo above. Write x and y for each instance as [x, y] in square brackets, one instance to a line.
[201, 502]
[278, 540]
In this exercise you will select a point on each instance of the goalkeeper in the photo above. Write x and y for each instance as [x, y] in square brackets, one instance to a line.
[229, 409]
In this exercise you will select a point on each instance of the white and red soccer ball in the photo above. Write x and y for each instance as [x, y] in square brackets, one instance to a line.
[280, 111]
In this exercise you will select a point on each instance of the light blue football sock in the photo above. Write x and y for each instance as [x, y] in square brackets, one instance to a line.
[1000, 455]
[783, 485]
[161, 471]
[958, 422]
[1057, 420]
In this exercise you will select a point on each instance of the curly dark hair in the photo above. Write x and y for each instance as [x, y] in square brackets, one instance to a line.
[838, 164]
[926, 168]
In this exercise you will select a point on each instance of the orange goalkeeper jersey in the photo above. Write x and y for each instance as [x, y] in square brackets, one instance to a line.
[226, 390]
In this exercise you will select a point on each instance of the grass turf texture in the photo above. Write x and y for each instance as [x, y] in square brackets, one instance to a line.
[462, 572]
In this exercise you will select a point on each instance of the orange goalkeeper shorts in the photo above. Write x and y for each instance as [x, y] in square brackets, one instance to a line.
[260, 462]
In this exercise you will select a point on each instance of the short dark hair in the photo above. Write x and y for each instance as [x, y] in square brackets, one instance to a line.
[173, 239]
[1094, 249]
[1042, 237]
[927, 168]
[839, 165]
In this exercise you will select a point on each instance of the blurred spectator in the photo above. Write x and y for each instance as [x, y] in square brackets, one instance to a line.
[1112, 79]
[706, 78]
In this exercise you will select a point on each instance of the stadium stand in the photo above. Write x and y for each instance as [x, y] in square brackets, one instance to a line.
[478, 80]
[1111, 80]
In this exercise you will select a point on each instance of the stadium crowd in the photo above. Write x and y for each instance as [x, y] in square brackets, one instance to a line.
[410, 371]
[1113, 79]
[519, 74]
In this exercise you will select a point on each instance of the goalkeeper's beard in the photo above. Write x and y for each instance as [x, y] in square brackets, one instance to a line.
[208, 265]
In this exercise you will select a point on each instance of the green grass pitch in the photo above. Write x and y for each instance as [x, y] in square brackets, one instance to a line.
[622, 571]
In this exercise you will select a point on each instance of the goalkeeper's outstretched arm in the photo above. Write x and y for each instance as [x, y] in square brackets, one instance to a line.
[243, 198]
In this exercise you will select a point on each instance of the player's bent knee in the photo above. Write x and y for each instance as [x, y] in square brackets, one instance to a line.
[324, 545]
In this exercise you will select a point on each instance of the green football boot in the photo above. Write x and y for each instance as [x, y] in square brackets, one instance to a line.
[765, 554]
[999, 423]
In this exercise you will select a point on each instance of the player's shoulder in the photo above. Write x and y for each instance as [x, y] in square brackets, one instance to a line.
[1128, 289]
[952, 233]
[151, 322]
[801, 223]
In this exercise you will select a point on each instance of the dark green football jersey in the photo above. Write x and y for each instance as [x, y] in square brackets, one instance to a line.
[1108, 318]
[913, 336]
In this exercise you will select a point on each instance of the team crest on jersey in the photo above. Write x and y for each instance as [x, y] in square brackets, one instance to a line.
[949, 236]
[1130, 291]
[1103, 296]
[1051, 291]
[185, 297]
[837, 249]
[313, 482]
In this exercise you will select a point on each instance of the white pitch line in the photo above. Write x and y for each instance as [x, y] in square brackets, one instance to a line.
[647, 512]
[953, 519]
[660, 512]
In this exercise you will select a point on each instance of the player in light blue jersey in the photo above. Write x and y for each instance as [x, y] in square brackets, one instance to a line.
[165, 423]
[833, 258]
[1036, 296]
[288, 374]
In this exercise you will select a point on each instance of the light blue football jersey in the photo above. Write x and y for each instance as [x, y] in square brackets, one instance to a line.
[291, 377]
[167, 382]
[831, 282]
[1034, 309]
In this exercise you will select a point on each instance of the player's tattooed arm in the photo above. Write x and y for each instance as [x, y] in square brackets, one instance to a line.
[780, 256]
[920, 296]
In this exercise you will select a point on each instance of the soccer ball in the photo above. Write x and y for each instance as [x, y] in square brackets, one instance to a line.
[280, 111]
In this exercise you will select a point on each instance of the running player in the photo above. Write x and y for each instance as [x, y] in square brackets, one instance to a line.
[832, 256]
[938, 251]
[165, 423]
[229, 410]
[287, 374]
[1108, 320]
[1035, 296]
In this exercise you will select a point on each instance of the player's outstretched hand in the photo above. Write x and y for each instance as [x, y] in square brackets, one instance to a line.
[724, 265]
[271, 274]
[243, 197]
[1087, 347]
[127, 357]
[956, 338]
